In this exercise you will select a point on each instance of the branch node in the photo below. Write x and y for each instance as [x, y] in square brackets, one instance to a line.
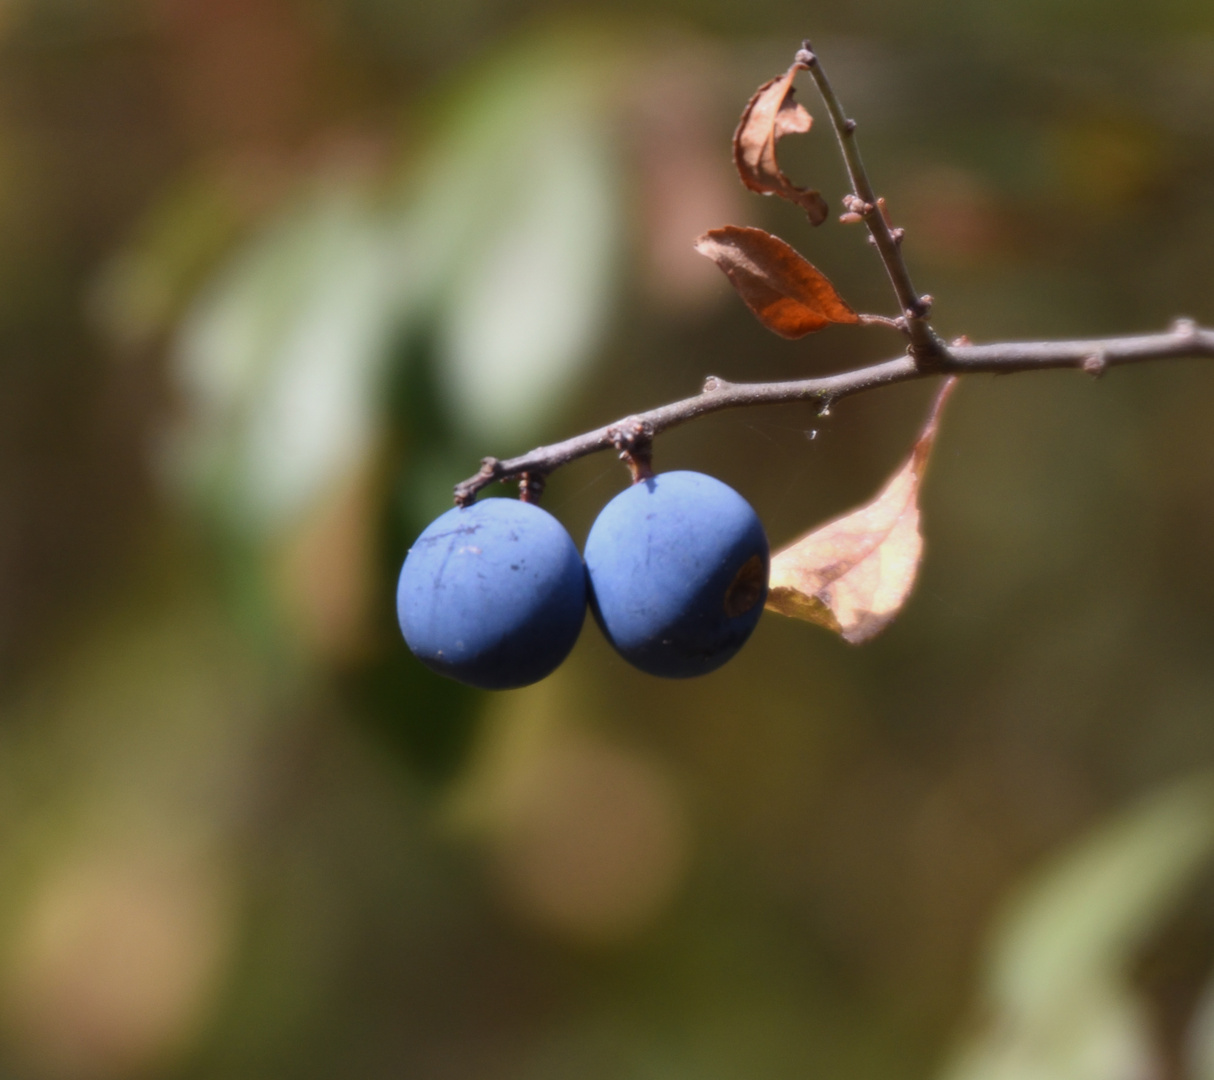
[1096, 364]
[856, 205]
[897, 235]
[466, 490]
[712, 384]
[849, 126]
[1185, 328]
[633, 438]
[531, 486]
[805, 54]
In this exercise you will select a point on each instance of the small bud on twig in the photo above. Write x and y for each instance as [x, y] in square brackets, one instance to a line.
[1185, 328]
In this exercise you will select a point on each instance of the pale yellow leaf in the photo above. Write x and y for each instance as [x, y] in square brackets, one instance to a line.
[853, 574]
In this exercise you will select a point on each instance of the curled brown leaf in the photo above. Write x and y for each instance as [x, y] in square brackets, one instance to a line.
[768, 117]
[787, 293]
[853, 574]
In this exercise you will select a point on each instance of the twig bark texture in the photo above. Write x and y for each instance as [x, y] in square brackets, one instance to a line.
[1093, 356]
[926, 355]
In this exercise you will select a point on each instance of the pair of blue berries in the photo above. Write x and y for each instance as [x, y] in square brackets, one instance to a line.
[494, 594]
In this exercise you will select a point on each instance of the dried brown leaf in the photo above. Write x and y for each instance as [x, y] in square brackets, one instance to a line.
[787, 294]
[853, 574]
[768, 117]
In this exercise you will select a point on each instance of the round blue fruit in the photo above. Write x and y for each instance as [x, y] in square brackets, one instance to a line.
[678, 573]
[493, 594]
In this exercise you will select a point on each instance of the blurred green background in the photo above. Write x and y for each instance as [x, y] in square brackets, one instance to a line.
[275, 275]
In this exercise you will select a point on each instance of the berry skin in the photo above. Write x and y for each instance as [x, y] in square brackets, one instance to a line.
[678, 573]
[493, 594]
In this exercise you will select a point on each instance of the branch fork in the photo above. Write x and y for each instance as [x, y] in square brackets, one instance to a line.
[792, 297]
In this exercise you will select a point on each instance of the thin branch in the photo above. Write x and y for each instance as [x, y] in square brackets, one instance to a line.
[1184, 338]
[865, 204]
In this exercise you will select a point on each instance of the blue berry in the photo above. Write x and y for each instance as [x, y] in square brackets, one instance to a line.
[678, 573]
[493, 594]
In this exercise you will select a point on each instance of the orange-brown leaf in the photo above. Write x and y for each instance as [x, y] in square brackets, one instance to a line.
[768, 117]
[854, 574]
[787, 294]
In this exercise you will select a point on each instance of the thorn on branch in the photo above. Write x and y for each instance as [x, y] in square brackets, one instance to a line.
[531, 487]
[633, 438]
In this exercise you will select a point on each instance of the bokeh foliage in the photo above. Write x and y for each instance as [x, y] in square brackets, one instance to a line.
[277, 274]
